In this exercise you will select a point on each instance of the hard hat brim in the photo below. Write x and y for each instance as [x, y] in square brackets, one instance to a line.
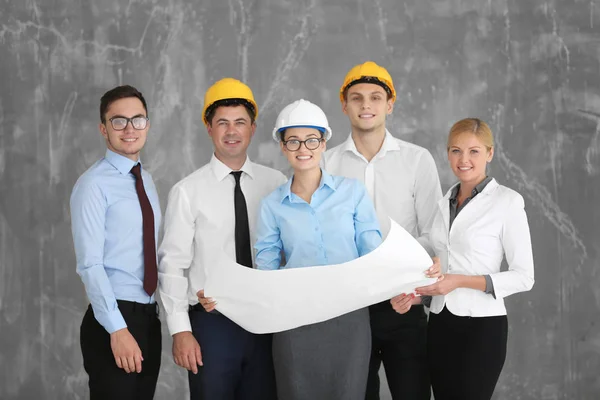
[230, 102]
[319, 128]
[370, 79]
[326, 131]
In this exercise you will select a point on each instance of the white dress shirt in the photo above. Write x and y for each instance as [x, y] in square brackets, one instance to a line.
[401, 179]
[199, 225]
[492, 225]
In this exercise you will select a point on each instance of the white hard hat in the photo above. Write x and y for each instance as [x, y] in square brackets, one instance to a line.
[302, 113]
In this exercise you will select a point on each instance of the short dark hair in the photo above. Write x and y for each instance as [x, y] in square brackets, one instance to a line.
[368, 79]
[212, 109]
[120, 92]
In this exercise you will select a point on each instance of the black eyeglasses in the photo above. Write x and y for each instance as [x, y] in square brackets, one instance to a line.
[120, 123]
[310, 144]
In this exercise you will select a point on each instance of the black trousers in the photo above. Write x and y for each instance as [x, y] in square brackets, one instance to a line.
[400, 342]
[106, 380]
[238, 365]
[466, 355]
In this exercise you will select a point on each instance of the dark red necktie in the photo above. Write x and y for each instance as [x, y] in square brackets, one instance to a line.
[150, 270]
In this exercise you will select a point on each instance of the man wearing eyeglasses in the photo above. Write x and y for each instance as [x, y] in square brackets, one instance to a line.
[210, 214]
[115, 216]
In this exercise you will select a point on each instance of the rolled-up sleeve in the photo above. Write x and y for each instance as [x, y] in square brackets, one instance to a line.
[516, 241]
[175, 256]
[88, 215]
[367, 234]
[268, 239]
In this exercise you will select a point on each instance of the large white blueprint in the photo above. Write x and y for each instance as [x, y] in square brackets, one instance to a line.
[274, 301]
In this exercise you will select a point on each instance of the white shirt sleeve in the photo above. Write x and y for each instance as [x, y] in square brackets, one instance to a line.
[175, 255]
[516, 241]
[428, 193]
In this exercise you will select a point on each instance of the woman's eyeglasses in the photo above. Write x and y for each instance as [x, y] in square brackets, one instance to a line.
[310, 144]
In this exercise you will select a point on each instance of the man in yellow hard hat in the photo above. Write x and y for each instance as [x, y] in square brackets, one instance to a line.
[403, 182]
[212, 210]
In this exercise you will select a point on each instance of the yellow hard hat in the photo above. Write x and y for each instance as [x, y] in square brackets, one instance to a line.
[228, 89]
[369, 72]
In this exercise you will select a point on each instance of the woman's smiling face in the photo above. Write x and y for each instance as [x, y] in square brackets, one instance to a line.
[468, 157]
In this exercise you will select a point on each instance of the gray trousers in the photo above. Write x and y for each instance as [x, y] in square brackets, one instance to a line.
[324, 361]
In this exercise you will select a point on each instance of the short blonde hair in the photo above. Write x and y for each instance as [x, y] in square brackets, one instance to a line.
[475, 126]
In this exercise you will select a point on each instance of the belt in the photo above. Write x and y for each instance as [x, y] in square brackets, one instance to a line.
[198, 307]
[134, 307]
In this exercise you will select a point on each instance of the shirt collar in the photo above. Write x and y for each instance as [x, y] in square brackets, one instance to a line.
[326, 179]
[478, 189]
[222, 171]
[121, 163]
[389, 144]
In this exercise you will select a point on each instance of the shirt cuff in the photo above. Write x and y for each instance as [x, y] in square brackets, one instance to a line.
[112, 321]
[426, 301]
[179, 322]
[489, 286]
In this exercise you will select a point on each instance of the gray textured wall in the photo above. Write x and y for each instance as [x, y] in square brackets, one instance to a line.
[530, 68]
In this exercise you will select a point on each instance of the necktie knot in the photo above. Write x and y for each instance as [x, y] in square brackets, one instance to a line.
[237, 175]
[137, 171]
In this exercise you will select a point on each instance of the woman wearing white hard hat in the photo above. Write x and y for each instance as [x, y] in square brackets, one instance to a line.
[317, 219]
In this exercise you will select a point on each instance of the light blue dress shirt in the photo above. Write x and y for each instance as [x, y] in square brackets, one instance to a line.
[339, 225]
[106, 220]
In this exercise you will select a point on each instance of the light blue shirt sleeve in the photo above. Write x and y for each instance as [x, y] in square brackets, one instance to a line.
[88, 213]
[268, 239]
[366, 225]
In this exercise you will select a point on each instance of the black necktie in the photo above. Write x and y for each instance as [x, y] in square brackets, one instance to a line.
[150, 271]
[243, 254]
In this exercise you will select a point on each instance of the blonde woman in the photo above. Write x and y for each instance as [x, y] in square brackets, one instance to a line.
[477, 224]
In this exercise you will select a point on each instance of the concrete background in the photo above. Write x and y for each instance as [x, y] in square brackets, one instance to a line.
[529, 68]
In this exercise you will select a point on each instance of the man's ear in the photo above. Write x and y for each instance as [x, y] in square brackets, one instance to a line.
[390, 106]
[102, 129]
